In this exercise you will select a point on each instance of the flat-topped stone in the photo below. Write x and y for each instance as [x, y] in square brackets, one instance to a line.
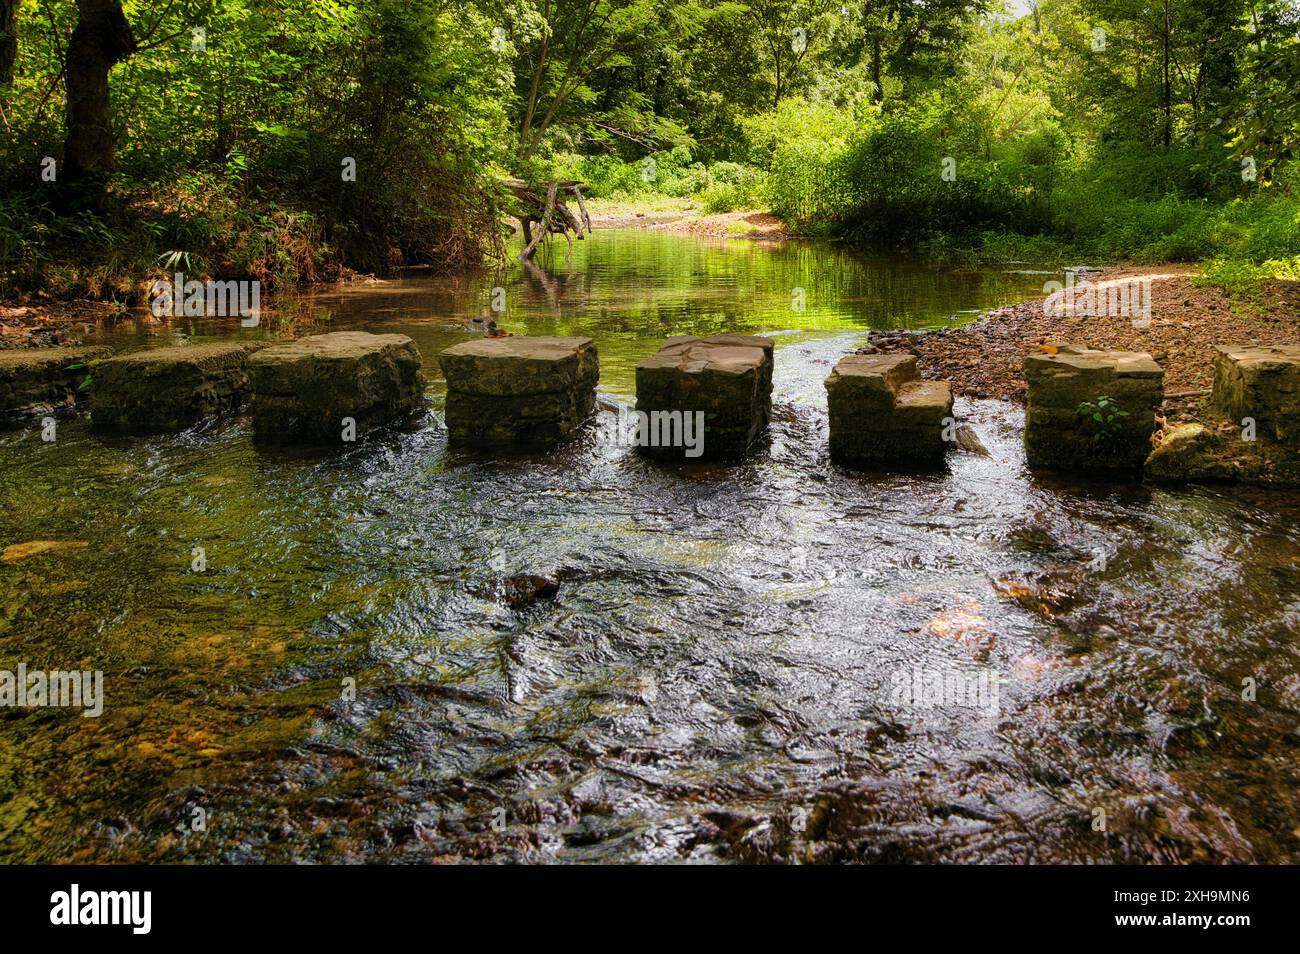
[35, 381]
[874, 379]
[727, 378]
[882, 412]
[1091, 410]
[503, 367]
[1070, 368]
[161, 389]
[727, 354]
[333, 387]
[518, 391]
[1261, 383]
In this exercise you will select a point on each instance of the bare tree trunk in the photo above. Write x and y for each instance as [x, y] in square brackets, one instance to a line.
[8, 40]
[101, 39]
[1167, 92]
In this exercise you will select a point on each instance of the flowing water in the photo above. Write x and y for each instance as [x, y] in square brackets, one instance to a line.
[1108, 671]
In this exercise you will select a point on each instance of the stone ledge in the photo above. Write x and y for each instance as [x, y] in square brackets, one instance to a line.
[36, 381]
[518, 365]
[1060, 383]
[1261, 383]
[161, 389]
[1250, 434]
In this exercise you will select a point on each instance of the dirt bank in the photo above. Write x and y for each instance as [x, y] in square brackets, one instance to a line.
[687, 220]
[984, 359]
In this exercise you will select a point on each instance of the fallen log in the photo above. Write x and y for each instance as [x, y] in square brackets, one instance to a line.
[549, 212]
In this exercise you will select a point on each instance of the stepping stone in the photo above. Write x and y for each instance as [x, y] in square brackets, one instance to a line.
[1261, 383]
[1064, 401]
[727, 378]
[36, 381]
[169, 389]
[881, 412]
[519, 391]
[335, 387]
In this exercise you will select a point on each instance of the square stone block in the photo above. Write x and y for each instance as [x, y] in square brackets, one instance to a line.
[517, 391]
[726, 377]
[36, 381]
[881, 412]
[1261, 383]
[164, 389]
[304, 390]
[1057, 432]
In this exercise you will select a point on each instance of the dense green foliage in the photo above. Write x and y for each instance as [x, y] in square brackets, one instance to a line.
[234, 145]
[1148, 129]
[1103, 129]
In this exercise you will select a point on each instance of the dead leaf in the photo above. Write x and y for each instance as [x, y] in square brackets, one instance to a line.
[21, 551]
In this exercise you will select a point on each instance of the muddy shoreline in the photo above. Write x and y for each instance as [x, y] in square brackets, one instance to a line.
[753, 225]
[51, 323]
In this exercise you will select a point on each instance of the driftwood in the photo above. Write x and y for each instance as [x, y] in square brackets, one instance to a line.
[551, 213]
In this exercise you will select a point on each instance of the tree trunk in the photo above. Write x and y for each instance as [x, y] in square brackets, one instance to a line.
[1167, 92]
[878, 91]
[101, 39]
[8, 41]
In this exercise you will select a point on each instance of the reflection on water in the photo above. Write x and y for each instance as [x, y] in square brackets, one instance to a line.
[629, 290]
[716, 679]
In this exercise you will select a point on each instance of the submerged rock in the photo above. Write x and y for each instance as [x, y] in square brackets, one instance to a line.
[1186, 451]
[21, 551]
[526, 589]
[1218, 452]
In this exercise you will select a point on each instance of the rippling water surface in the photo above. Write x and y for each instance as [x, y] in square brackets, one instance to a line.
[718, 677]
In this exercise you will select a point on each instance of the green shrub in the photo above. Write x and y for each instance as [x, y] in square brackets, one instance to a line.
[720, 186]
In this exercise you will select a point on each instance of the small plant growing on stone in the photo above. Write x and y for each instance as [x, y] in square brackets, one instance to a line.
[1104, 417]
[79, 366]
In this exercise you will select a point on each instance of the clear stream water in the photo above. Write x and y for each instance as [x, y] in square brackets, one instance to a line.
[715, 680]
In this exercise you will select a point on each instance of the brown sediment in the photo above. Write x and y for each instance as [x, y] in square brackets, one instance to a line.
[985, 359]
